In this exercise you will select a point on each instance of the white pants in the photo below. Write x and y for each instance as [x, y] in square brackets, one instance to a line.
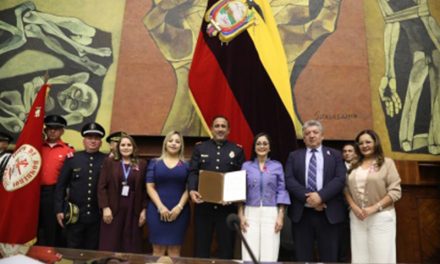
[374, 239]
[260, 234]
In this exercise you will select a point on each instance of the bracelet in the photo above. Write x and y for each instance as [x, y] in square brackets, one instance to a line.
[379, 206]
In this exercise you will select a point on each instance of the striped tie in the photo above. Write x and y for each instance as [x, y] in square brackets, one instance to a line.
[311, 178]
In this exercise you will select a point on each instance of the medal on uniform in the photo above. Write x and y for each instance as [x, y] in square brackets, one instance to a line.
[125, 188]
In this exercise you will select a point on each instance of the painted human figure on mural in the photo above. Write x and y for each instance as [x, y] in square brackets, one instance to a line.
[74, 53]
[411, 34]
[301, 23]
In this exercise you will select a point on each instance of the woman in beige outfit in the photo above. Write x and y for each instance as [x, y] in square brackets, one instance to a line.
[373, 186]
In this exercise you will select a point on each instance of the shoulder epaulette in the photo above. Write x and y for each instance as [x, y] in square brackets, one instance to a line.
[199, 142]
[70, 155]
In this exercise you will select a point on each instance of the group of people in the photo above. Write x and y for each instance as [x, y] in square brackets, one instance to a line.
[115, 195]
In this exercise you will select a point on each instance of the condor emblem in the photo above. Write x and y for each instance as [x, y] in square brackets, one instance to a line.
[228, 18]
[22, 168]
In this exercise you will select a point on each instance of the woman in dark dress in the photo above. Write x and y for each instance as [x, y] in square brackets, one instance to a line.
[122, 198]
[168, 211]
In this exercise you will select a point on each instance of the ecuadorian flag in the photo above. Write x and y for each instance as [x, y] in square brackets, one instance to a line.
[247, 81]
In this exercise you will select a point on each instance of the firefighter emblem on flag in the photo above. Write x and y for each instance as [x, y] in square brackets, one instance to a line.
[22, 168]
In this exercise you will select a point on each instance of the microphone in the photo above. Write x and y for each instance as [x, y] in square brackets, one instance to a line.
[233, 223]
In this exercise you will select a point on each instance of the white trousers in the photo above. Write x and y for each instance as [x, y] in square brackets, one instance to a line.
[374, 239]
[260, 234]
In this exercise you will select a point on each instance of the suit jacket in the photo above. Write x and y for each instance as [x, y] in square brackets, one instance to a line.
[110, 186]
[334, 175]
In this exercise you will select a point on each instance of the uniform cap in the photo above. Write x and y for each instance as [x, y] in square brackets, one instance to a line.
[92, 129]
[115, 136]
[71, 213]
[55, 121]
[5, 137]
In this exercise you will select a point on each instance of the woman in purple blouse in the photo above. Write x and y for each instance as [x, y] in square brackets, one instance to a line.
[262, 214]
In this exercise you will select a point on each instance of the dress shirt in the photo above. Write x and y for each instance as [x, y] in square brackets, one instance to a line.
[267, 187]
[319, 166]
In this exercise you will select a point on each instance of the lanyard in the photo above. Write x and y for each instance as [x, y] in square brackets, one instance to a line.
[126, 171]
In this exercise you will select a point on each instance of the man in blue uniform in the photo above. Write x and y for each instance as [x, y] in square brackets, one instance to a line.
[216, 154]
[80, 175]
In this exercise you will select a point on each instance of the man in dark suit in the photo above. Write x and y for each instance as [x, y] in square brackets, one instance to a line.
[315, 178]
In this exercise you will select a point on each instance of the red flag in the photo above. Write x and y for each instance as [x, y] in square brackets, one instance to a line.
[20, 189]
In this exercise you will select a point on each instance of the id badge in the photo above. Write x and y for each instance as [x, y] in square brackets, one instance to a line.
[125, 190]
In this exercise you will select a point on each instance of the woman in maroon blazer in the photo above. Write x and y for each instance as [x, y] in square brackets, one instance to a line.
[122, 198]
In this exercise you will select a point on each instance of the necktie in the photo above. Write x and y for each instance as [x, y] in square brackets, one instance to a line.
[311, 178]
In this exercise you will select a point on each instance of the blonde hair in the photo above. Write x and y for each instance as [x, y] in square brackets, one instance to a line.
[164, 145]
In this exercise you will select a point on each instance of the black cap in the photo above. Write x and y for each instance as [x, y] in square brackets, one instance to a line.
[115, 136]
[92, 129]
[5, 137]
[55, 121]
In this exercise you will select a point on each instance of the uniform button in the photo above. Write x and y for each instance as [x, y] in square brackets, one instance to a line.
[89, 191]
[215, 207]
[90, 171]
[91, 158]
[91, 164]
[88, 205]
[90, 185]
[88, 212]
[218, 147]
[218, 153]
[89, 198]
[218, 160]
[216, 167]
[90, 178]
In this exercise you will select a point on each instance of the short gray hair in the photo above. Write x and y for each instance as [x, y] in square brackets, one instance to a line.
[311, 123]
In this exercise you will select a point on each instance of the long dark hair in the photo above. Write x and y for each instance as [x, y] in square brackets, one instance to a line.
[378, 152]
[262, 134]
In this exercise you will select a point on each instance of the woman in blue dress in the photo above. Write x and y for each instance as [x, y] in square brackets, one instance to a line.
[168, 211]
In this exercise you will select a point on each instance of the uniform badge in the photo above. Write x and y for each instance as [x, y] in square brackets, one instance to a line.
[204, 155]
[232, 154]
[228, 18]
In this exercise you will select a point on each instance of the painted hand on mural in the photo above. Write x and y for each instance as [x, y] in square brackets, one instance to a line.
[411, 32]
[388, 95]
[301, 23]
[170, 22]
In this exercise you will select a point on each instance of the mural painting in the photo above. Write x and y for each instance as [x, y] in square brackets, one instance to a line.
[407, 81]
[352, 65]
[75, 54]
